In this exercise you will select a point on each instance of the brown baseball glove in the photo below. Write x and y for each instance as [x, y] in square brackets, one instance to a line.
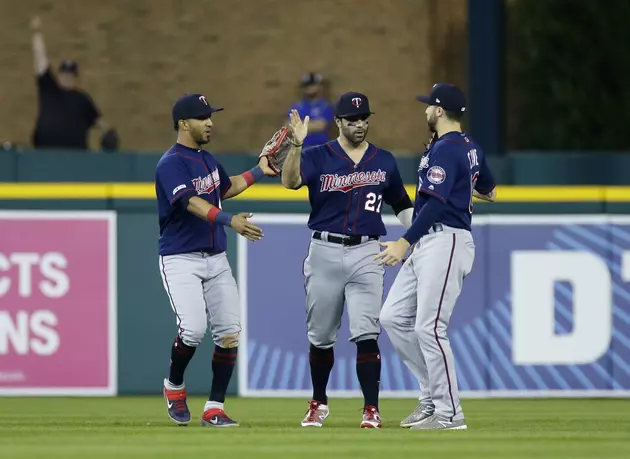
[277, 148]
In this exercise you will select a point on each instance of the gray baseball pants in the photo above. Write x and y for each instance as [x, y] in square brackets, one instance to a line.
[418, 309]
[334, 274]
[201, 289]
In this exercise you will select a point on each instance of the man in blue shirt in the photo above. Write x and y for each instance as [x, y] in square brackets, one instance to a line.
[190, 185]
[421, 300]
[316, 107]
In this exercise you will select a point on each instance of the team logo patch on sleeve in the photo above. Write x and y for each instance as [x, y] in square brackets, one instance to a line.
[436, 175]
[181, 187]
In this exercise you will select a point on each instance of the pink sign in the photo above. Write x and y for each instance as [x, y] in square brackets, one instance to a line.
[57, 303]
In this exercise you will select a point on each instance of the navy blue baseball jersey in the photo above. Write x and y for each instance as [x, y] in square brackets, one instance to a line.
[449, 170]
[347, 198]
[181, 173]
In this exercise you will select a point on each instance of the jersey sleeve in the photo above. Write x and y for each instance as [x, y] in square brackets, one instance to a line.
[441, 173]
[308, 165]
[485, 182]
[226, 183]
[174, 180]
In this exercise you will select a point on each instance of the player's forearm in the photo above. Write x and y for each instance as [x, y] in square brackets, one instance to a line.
[241, 182]
[490, 196]
[208, 212]
[39, 53]
[238, 186]
[291, 169]
[403, 208]
[428, 215]
[405, 217]
[199, 207]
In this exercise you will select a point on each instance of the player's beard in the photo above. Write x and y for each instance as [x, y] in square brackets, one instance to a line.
[201, 138]
[432, 122]
[355, 136]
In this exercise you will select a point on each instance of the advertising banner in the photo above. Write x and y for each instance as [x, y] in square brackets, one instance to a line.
[58, 303]
[545, 311]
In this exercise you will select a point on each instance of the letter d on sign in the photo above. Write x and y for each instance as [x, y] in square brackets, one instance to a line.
[533, 276]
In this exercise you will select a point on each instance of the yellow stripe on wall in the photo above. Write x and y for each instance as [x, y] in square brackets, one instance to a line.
[275, 192]
[41, 190]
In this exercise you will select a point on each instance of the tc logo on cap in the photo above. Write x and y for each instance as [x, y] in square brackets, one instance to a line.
[203, 100]
[356, 101]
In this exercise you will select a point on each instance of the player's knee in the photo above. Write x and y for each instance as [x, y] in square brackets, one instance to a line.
[424, 333]
[228, 341]
[321, 342]
[387, 319]
[193, 336]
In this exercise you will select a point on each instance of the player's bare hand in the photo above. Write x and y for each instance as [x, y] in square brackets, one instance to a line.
[245, 228]
[393, 253]
[490, 197]
[404, 260]
[36, 24]
[298, 128]
[264, 165]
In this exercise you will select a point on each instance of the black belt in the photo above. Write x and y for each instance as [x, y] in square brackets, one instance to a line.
[343, 240]
[209, 252]
[437, 227]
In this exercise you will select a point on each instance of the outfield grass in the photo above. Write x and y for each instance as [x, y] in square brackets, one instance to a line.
[137, 427]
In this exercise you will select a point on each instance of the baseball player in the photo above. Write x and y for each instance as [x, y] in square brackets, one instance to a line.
[348, 180]
[421, 300]
[190, 186]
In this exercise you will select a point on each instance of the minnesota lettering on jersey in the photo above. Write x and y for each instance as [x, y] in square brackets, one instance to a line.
[207, 184]
[345, 183]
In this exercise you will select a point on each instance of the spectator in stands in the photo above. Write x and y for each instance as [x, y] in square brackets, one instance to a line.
[315, 105]
[66, 113]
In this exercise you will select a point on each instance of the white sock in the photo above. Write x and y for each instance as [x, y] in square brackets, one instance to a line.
[169, 385]
[210, 405]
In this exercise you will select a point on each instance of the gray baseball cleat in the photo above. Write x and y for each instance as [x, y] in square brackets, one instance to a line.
[422, 411]
[437, 422]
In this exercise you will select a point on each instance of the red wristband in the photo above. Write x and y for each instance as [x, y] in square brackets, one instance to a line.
[216, 215]
[212, 213]
[249, 178]
[253, 175]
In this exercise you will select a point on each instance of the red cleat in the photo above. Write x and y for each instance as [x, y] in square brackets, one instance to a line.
[371, 418]
[216, 417]
[316, 414]
[176, 406]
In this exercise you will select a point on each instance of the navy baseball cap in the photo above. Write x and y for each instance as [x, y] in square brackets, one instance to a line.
[192, 106]
[353, 104]
[445, 95]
